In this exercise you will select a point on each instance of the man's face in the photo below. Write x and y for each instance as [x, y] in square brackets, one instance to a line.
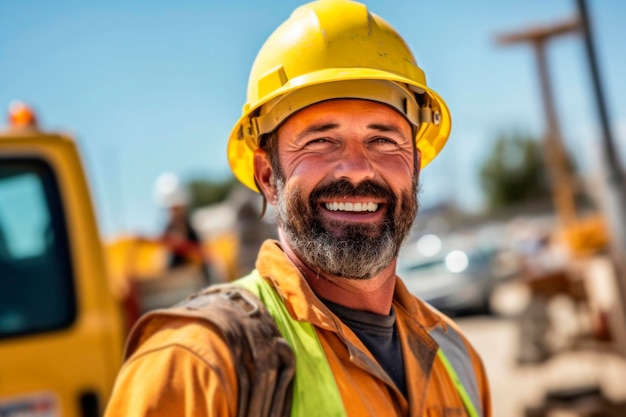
[346, 186]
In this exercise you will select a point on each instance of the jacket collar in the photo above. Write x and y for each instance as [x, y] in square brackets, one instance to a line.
[304, 305]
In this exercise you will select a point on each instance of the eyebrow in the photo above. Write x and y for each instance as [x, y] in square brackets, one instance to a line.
[318, 128]
[385, 128]
[324, 127]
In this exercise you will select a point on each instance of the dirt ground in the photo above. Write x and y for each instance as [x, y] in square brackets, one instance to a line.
[516, 388]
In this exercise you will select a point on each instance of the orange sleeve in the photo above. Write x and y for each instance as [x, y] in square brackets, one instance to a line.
[177, 373]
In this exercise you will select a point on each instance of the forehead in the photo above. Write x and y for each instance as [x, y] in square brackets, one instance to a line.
[341, 111]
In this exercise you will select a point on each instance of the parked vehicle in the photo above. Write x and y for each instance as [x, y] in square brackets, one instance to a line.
[61, 328]
[454, 274]
[67, 300]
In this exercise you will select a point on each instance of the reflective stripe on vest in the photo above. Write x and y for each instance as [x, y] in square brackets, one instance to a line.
[315, 391]
[455, 357]
[467, 401]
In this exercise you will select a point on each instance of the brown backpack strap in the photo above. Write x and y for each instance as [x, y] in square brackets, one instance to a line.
[263, 360]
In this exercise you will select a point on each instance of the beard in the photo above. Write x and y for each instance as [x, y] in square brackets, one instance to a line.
[343, 249]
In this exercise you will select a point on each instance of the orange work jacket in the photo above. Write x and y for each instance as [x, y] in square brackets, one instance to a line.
[183, 368]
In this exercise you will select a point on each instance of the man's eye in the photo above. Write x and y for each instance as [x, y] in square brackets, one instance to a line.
[318, 141]
[383, 141]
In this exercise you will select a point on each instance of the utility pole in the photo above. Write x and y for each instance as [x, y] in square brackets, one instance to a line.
[614, 193]
[554, 151]
[613, 199]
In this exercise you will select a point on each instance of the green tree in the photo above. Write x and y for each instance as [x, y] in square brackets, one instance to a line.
[205, 192]
[515, 172]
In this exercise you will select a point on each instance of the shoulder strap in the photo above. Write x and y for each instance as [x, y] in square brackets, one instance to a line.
[315, 390]
[263, 359]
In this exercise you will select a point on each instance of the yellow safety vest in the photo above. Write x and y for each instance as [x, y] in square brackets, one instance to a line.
[315, 391]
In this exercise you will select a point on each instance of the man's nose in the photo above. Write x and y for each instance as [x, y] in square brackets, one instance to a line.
[355, 166]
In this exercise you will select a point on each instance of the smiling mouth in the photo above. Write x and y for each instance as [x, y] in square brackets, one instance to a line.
[352, 207]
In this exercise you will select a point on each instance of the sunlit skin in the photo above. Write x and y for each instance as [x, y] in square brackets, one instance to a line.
[346, 139]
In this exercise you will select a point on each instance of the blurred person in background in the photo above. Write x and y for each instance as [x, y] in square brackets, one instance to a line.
[183, 243]
[338, 124]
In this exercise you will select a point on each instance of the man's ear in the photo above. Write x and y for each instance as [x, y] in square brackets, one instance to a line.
[264, 175]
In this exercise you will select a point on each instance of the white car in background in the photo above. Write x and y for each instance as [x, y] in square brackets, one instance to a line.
[456, 275]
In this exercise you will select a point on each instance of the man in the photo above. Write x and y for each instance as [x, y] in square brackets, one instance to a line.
[178, 235]
[339, 121]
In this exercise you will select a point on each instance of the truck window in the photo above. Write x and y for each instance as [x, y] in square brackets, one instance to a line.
[36, 282]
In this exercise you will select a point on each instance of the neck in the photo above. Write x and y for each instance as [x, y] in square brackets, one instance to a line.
[374, 294]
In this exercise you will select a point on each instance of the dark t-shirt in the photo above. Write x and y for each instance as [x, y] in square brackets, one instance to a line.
[378, 333]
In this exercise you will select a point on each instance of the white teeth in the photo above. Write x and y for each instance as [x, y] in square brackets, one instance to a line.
[356, 207]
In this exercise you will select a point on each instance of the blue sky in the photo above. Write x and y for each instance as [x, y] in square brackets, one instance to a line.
[154, 86]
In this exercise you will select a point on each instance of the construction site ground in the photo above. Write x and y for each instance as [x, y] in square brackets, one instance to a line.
[522, 390]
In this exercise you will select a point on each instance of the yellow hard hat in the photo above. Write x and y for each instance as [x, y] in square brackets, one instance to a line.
[331, 49]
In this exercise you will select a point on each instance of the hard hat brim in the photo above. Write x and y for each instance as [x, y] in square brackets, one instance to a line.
[430, 137]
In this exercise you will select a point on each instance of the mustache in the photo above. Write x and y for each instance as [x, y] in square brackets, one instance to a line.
[344, 188]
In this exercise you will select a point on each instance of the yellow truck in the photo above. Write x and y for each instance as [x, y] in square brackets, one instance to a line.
[67, 300]
[61, 327]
